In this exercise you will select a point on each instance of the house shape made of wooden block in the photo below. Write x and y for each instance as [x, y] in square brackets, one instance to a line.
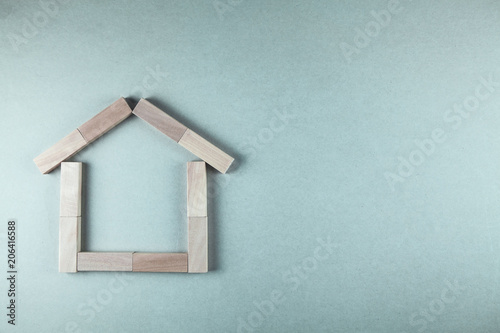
[71, 258]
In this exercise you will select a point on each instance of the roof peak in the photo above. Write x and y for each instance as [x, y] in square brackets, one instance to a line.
[113, 115]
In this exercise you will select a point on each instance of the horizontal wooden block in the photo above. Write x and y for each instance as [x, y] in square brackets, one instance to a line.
[206, 151]
[61, 151]
[105, 120]
[159, 120]
[69, 243]
[160, 262]
[196, 189]
[71, 189]
[105, 261]
[198, 244]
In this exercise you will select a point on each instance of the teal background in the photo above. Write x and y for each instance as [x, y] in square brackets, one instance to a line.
[418, 256]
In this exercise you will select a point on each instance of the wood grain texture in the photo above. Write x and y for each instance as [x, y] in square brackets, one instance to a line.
[159, 120]
[198, 244]
[71, 189]
[105, 261]
[105, 120]
[62, 150]
[69, 243]
[160, 262]
[196, 189]
[206, 151]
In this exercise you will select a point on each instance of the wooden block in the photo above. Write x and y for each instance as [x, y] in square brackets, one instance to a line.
[61, 151]
[198, 245]
[105, 261]
[105, 120]
[159, 120]
[160, 262]
[71, 189]
[69, 243]
[206, 151]
[196, 189]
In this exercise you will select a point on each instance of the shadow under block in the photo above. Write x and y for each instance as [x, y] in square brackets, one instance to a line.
[160, 262]
[105, 261]
[62, 150]
[206, 151]
[159, 120]
[105, 120]
[69, 243]
[71, 189]
[196, 189]
[198, 244]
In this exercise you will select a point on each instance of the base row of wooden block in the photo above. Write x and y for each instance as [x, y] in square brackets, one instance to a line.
[71, 260]
[133, 262]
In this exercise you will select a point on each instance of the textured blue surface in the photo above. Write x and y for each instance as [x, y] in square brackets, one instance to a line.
[365, 195]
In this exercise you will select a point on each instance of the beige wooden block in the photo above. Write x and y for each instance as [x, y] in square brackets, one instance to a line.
[69, 243]
[206, 151]
[198, 245]
[196, 189]
[71, 189]
[160, 262]
[159, 120]
[105, 261]
[105, 120]
[61, 151]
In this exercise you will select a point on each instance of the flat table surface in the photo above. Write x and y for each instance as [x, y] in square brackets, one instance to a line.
[365, 193]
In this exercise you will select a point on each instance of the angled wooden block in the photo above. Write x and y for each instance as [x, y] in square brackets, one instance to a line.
[160, 262]
[71, 189]
[69, 243]
[206, 151]
[198, 245]
[159, 120]
[105, 261]
[62, 150]
[105, 120]
[196, 189]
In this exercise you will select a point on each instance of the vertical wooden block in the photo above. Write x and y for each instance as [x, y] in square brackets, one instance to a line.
[71, 189]
[206, 151]
[159, 120]
[61, 151]
[198, 245]
[105, 261]
[196, 189]
[105, 120]
[69, 243]
[160, 262]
